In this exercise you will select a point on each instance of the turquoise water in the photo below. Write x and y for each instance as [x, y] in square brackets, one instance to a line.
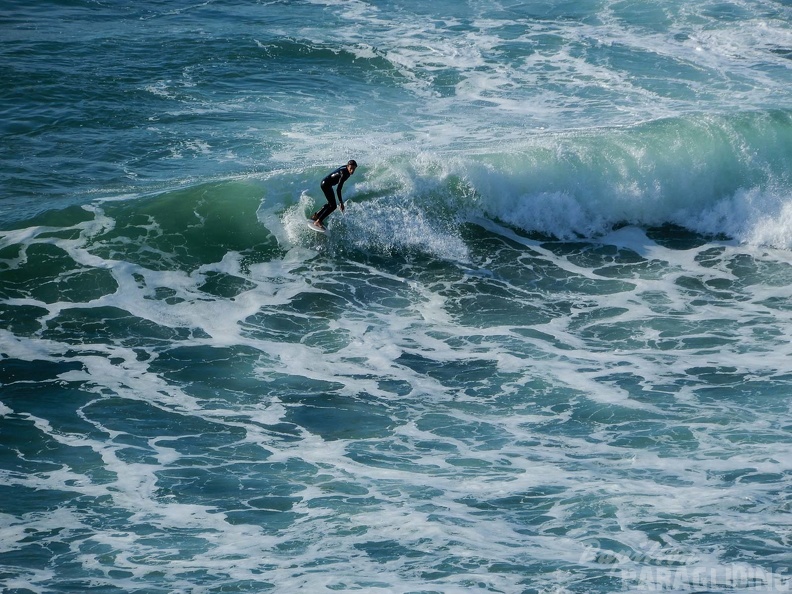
[546, 348]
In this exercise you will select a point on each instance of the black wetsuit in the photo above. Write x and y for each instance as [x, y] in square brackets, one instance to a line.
[339, 176]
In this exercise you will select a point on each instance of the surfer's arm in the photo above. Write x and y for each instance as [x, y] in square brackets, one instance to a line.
[338, 193]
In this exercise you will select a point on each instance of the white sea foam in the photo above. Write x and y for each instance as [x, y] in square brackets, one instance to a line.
[512, 364]
[440, 483]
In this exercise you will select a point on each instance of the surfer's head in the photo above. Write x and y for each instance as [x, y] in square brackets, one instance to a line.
[351, 165]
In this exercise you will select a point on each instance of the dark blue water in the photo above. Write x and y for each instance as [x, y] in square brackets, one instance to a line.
[545, 349]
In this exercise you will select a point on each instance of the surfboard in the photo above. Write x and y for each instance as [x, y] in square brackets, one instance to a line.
[311, 225]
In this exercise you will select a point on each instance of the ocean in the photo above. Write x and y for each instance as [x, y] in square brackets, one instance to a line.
[545, 349]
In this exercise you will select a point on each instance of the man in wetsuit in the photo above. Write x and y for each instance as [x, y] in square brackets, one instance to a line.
[337, 177]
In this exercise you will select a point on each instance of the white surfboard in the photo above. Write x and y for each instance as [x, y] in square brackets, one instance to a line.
[311, 225]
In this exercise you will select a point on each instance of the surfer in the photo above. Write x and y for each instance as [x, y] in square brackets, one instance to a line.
[336, 178]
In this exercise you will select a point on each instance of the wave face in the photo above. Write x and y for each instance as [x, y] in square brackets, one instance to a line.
[545, 348]
[715, 175]
[711, 174]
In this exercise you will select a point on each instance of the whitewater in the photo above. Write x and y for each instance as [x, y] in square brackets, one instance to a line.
[544, 349]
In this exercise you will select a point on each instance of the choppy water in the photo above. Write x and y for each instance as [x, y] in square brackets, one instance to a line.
[546, 349]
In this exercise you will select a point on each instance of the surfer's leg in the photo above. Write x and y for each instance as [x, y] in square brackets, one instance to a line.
[327, 208]
[325, 211]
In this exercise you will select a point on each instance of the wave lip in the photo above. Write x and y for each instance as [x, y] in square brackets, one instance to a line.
[726, 175]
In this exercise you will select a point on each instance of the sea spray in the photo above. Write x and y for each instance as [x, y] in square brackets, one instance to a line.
[546, 349]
